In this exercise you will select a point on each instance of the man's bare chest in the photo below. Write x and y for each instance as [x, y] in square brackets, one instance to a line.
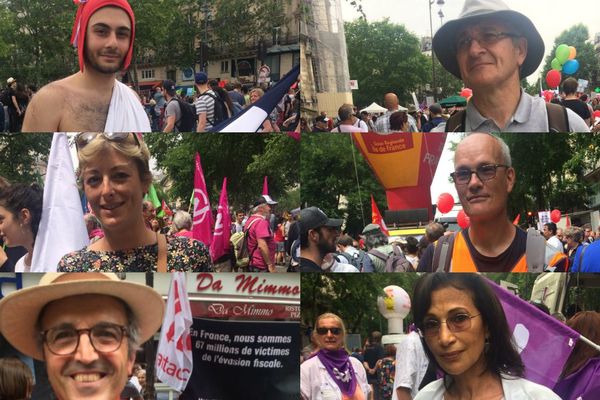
[84, 112]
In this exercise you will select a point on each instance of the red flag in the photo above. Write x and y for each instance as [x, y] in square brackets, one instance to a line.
[174, 361]
[516, 221]
[376, 217]
[202, 217]
[568, 222]
[265, 187]
[220, 241]
[166, 208]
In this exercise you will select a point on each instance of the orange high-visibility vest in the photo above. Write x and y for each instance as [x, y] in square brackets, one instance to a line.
[463, 262]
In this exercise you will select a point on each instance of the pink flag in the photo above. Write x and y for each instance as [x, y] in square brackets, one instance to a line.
[543, 342]
[203, 221]
[220, 241]
[174, 362]
[265, 187]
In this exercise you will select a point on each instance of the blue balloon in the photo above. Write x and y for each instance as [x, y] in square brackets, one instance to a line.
[570, 67]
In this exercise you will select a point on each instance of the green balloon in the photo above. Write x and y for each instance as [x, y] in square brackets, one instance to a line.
[556, 65]
[597, 90]
[562, 53]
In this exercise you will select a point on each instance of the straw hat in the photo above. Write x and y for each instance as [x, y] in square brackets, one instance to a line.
[444, 41]
[20, 310]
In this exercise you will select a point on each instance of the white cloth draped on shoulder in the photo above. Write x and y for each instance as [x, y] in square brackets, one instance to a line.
[125, 113]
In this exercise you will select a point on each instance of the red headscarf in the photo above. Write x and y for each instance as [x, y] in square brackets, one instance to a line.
[86, 8]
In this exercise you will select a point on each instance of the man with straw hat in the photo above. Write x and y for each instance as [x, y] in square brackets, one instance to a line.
[491, 48]
[86, 327]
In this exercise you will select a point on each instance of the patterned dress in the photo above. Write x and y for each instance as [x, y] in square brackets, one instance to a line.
[183, 254]
[385, 378]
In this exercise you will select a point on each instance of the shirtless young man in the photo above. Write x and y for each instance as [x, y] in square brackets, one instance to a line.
[92, 99]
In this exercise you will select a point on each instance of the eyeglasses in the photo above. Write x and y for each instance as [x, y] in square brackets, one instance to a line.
[484, 39]
[85, 138]
[104, 337]
[456, 323]
[483, 172]
[334, 331]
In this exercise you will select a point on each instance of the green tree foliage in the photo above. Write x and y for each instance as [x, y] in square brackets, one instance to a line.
[384, 57]
[36, 36]
[578, 37]
[239, 24]
[21, 154]
[550, 170]
[243, 159]
[327, 173]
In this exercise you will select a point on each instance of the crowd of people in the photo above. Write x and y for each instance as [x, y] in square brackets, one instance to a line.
[212, 103]
[426, 118]
[460, 346]
[483, 178]
[124, 232]
[14, 99]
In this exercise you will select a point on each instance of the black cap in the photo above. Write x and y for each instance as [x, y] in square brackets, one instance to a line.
[169, 86]
[313, 217]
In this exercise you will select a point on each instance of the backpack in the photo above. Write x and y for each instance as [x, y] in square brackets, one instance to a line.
[220, 109]
[395, 262]
[360, 260]
[540, 257]
[558, 120]
[237, 108]
[5, 97]
[188, 116]
[239, 240]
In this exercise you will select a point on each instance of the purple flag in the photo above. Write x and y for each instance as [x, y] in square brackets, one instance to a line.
[543, 342]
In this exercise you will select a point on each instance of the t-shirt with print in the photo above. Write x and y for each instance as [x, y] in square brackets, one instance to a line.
[260, 230]
[206, 104]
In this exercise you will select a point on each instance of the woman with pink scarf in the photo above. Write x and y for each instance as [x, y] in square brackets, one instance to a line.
[331, 374]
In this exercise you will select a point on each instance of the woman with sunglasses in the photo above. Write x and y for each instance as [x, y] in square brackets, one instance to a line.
[330, 373]
[115, 174]
[466, 336]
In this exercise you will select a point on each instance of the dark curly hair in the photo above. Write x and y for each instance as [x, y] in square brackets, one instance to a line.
[501, 355]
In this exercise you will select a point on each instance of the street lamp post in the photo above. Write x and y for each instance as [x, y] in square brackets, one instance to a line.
[434, 85]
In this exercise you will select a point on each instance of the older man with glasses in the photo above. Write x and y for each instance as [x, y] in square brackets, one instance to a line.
[491, 48]
[483, 177]
[86, 327]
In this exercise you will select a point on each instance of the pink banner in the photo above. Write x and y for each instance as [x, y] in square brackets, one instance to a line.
[265, 187]
[220, 241]
[202, 219]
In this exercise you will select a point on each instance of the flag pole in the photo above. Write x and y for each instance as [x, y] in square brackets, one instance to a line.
[589, 342]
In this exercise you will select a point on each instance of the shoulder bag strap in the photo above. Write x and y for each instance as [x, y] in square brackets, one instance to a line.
[456, 123]
[161, 265]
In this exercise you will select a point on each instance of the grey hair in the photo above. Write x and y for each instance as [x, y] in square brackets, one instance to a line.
[506, 158]
[182, 220]
[375, 239]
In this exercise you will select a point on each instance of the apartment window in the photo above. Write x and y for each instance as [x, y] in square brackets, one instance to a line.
[224, 66]
[147, 74]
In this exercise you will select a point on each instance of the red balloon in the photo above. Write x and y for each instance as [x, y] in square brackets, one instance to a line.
[555, 216]
[445, 202]
[548, 95]
[553, 78]
[466, 93]
[463, 219]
